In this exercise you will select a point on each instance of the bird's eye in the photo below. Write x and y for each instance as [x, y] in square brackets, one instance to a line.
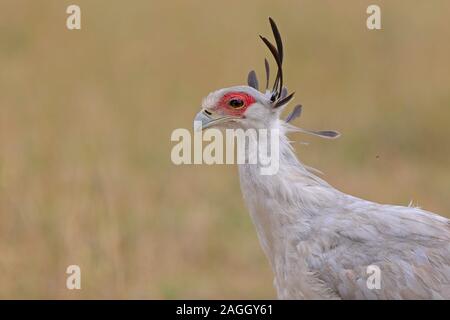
[236, 103]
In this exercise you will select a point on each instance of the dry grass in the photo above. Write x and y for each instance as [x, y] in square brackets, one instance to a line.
[86, 117]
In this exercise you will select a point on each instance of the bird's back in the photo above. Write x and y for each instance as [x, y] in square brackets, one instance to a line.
[408, 246]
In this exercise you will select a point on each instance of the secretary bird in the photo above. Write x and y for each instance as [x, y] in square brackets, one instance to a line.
[321, 242]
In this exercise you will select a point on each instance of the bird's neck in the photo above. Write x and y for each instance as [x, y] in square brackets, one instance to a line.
[280, 202]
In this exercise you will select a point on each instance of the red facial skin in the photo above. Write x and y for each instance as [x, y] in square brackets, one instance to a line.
[224, 106]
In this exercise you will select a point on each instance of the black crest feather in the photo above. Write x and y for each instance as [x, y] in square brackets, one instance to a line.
[279, 93]
[277, 53]
[266, 66]
[283, 101]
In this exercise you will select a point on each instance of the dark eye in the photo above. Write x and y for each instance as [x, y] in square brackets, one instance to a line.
[236, 103]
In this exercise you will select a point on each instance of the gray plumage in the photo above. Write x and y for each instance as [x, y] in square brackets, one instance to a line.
[320, 242]
[295, 113]
[252, 80]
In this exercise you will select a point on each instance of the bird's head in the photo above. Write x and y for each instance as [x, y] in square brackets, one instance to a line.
[236, 107]
[248, 108]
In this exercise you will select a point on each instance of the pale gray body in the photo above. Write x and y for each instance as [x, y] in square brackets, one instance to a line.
[320, 241]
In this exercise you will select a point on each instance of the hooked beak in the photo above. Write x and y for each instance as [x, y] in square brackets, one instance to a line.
[205, 119]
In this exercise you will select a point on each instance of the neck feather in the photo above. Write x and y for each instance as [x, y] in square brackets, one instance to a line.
[285, 200]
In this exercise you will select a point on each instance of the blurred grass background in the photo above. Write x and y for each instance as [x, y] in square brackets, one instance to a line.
[86, 117]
